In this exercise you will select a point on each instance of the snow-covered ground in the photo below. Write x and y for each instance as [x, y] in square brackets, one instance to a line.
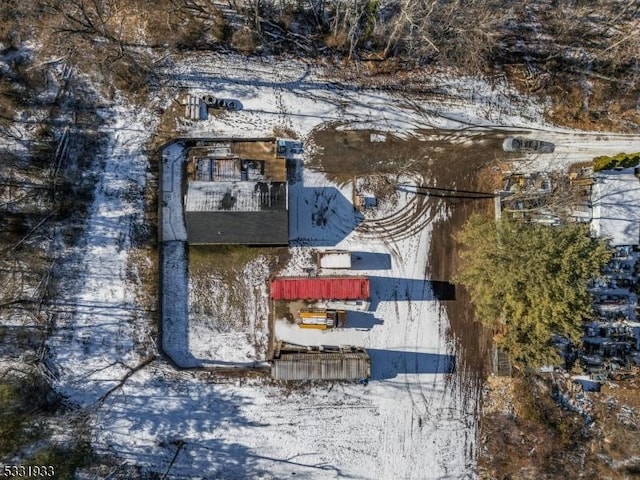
[236, 333]
[402, 306]
[413, 421]
[294, 95]
[95, 341]
[573, 147]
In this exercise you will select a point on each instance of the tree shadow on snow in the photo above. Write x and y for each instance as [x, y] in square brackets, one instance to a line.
[246, 88]
[177, 424]
[370, 261]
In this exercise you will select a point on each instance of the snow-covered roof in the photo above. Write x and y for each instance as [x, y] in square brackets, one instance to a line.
[616, 207]
[334, 259]
[251, 213]
[235, 196]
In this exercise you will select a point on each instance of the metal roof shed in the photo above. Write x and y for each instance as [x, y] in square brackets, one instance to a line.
[320, 288]
[322, 366]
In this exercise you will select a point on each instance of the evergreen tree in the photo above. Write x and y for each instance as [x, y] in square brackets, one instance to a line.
[529, 281]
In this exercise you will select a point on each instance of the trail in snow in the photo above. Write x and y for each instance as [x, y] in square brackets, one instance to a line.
[94, 343]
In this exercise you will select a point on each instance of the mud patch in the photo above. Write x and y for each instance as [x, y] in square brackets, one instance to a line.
[342, 154]
[472, 341]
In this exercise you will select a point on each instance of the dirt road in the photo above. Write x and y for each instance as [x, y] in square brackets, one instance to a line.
[456, 166]
[471, 339]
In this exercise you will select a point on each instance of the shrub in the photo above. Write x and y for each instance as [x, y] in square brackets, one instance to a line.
[11, 420]
[621, 160]
[245, 40]
[64, 460]
[222, 30]
[21, 400]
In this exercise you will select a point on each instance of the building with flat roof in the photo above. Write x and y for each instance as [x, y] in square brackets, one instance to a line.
[616, 207]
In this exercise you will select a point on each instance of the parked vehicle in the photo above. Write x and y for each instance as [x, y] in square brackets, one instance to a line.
[321, 318]
[334, 259]
[527, 145]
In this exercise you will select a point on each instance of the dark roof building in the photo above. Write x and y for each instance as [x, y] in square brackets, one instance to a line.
[232, 199]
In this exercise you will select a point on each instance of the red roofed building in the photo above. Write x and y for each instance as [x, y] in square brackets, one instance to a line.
[320, 288]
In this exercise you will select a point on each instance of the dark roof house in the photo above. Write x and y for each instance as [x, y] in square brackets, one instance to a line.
[235, 200]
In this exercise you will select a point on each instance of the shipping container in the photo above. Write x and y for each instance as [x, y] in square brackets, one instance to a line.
[320, 288]
[321, 318]
[334, 259]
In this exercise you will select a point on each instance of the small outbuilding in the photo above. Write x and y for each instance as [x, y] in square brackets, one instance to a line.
[340, 364]
[334, 259]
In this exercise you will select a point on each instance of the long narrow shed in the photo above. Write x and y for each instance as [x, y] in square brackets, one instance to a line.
[320, 288]
[322, 366]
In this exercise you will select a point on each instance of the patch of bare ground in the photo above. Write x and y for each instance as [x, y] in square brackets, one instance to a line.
[382, 187]
[169, 122]
[449, 157]
[585, 102]
[228, 262]
[462, 173]
[283, 310]
[527, 433]
[284, 132]
[615, 447]
[217, 284]
[524, 434]
[241, 375]
[599, 107]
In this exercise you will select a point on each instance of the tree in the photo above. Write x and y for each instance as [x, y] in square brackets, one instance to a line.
[529, 281]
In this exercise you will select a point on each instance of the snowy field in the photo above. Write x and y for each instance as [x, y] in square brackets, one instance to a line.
[413, 421]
